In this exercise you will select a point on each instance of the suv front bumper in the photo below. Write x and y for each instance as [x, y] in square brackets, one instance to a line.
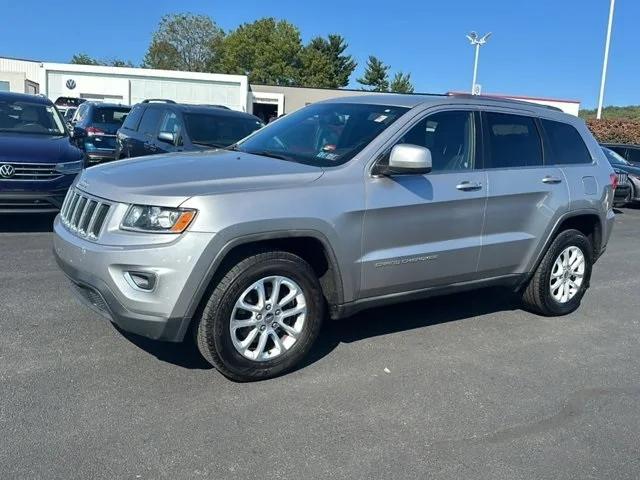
[97, 273]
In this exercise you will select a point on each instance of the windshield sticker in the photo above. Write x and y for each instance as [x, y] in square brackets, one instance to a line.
[328, 155]
[381, 118]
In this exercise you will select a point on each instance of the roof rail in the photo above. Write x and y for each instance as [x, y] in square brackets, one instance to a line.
[213, 105]
[503, 99]
[158, 100]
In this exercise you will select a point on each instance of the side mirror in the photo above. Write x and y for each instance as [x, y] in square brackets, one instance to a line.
[167, 137]
[407, 159]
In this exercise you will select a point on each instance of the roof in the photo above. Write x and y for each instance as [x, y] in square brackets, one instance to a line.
[414, 100]
[202, 109]
[520, 97]
[24, 97]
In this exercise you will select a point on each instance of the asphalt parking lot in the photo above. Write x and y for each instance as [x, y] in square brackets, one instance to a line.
[465, 386]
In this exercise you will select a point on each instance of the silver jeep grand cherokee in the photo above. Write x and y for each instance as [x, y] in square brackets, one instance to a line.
[340, 206]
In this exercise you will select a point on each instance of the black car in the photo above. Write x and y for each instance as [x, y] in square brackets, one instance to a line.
[162, 126]
[94, 129]
[628, 170]
[631, 153]
[38, 160]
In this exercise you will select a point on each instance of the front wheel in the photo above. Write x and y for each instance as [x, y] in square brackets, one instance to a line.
[562, 278]
[262, 317]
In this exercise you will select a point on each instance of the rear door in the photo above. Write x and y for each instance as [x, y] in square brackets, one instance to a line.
[126, 137]
[524, 195]
[170, 123]
[148, 131]
[425, 230]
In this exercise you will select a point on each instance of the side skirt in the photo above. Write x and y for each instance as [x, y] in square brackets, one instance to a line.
[514, 281]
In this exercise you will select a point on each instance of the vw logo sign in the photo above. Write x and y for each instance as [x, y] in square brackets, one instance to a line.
[71, 84]
[7, 171]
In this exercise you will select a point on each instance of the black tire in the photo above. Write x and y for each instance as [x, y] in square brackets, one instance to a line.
[537, 296]
[212, 332]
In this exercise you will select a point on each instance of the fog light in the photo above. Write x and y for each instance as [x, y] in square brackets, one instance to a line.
[141, 280]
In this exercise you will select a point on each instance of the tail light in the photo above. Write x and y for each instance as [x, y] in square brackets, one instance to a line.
[93, 131]
[614, 180]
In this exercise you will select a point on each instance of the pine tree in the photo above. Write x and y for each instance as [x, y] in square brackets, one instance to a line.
[376, 76]
[401, 83]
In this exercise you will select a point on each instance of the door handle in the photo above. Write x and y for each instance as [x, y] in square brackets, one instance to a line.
[551, 180]
[469, 186]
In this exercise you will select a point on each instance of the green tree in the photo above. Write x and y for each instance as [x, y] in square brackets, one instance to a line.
[401, 83]
[84, 59]
[323, 63]
[185, 41]
[376, 76]
[267, 51]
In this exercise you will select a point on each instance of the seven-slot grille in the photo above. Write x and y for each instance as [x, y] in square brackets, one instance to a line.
[623, 178]
[33, 171]
[84, 215]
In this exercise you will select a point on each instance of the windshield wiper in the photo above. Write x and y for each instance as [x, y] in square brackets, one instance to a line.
[210, 144]
[270, 154]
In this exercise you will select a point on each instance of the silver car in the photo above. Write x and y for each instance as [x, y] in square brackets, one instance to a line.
[343, 205]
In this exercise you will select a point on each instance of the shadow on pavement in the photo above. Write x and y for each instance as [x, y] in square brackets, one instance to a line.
[26, 223]
[368, 324]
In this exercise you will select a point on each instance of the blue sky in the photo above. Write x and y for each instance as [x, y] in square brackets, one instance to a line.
[549, 48]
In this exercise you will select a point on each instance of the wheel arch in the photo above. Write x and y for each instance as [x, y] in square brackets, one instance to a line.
[311, 245]
[587, 221]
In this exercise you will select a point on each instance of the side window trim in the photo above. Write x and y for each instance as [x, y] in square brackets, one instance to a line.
[470, 109]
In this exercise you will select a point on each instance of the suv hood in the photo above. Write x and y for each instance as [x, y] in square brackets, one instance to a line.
[27, 148]
[169, 180]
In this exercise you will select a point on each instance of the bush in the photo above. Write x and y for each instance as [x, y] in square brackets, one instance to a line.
[615, 131]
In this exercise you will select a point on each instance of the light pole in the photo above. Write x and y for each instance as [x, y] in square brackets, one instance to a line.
[606, 59]
[477, 42]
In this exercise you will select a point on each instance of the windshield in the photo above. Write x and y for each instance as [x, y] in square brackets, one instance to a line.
[324, 134]
[33, 118]
[614, 158]
[218, 130]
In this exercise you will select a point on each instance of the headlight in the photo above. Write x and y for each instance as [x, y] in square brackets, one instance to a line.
[70, 167]
[144, 218]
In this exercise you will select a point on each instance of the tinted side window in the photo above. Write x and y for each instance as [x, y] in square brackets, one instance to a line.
[511, 141]
[133, 119]
[150, 120]
[633, 155]
[567, 146]
[449, 135]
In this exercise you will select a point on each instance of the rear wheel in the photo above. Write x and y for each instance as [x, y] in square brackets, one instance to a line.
[562, 278]
[262, 318]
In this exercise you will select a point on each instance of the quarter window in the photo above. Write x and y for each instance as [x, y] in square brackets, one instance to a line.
[567, 146]
[133, 119]
[450, 137]
[512, 141]
[633, 155]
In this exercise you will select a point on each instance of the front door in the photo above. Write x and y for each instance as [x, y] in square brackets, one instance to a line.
[425, 230]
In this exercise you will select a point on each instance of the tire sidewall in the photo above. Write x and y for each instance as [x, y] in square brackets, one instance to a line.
[570, 238]
[219, 333]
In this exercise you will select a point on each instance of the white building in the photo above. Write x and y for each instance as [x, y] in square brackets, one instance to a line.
[124, 85]
[132, 85]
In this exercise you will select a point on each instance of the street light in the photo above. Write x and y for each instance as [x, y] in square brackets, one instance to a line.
[478, 42]
[606, 59]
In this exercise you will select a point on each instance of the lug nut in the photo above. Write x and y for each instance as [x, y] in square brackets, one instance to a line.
[259, 317]
[268, 307]
[274, 325]
[262, 328]
[278, 312]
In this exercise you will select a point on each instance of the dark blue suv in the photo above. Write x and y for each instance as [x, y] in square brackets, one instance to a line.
[38, 160]
[163, 126]
[94, 129]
